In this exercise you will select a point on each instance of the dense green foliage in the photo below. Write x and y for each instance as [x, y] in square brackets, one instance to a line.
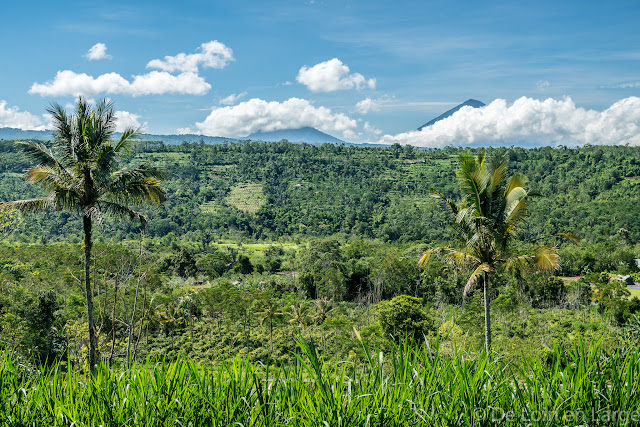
[369, 192]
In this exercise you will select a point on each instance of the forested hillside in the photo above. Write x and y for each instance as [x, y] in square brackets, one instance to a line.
[282, 190]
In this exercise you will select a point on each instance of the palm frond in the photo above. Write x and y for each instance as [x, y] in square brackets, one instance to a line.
[38, 204]
[121, 211]
[460, 259]
[450, 203]
[137, 185]
[516, 180]
[472, 180]
[546, 258]
[41, 155]
[519, 263]
[424, 259]
[473, 279]
[497, 170]
[129, 135]
[50, 179]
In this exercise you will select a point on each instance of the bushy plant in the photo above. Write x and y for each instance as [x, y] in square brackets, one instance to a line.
[404, 317]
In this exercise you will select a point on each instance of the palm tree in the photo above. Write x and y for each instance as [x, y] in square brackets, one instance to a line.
[322, 308]
[81, 173]
[298, 316]
[490, 213]
[268, 313]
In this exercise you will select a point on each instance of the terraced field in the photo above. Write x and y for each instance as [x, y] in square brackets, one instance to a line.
[246, 197]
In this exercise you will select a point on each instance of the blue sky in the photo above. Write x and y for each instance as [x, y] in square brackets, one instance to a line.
[359, 70]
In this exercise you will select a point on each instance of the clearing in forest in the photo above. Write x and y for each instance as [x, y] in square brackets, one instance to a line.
[246, 197]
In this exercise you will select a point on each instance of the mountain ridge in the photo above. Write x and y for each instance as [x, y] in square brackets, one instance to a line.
[468, 103]
[307, 134]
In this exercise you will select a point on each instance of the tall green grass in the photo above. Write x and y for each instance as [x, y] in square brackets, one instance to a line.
[413, 386]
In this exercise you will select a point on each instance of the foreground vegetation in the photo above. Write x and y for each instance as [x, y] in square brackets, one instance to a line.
[412, 385]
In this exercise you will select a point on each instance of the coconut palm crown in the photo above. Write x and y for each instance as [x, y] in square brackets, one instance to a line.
[493, 208]
[81, 173]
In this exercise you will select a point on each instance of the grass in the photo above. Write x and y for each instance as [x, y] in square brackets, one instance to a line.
[634, 292]
[246, 197]
[412, 386]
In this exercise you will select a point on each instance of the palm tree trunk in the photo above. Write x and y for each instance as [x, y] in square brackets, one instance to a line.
[487, 314]
[86, 223]
[271, 334]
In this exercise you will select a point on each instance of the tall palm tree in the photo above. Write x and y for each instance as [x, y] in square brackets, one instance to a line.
[269, 313]
[490, 213]
[81, 173]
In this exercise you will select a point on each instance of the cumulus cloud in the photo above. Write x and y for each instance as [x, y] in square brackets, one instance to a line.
[531, 121]
[259, 115]
[212, 54]
[97, 51]
[332, 75]
[366, 105]
[12, 117]
[125, 119]
[67, 82]
[233, 98]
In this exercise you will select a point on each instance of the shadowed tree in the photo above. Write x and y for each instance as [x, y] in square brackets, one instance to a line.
[490, 213]
[81, 173]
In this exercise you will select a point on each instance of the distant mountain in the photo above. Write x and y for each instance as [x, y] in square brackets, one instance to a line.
[189, 137]
[469, 102]
[12, 133]
[306, 134]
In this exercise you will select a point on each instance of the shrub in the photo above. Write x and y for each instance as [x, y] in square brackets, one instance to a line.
[404, 317]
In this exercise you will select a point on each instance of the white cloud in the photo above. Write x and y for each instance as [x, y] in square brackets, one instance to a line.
[371, 129]
[366, 105]
[531, 121]
[67, 82]
[12, 117]
[125, 119]
[185, 131]
[212, 54]
[332, 75]
[542, 84]
[97, 51]
[233, 98]
[259, 115]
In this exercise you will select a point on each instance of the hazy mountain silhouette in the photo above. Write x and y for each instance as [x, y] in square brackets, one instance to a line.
[306, 134]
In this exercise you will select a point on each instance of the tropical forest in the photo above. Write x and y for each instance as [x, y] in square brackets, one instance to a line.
[250, 283]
